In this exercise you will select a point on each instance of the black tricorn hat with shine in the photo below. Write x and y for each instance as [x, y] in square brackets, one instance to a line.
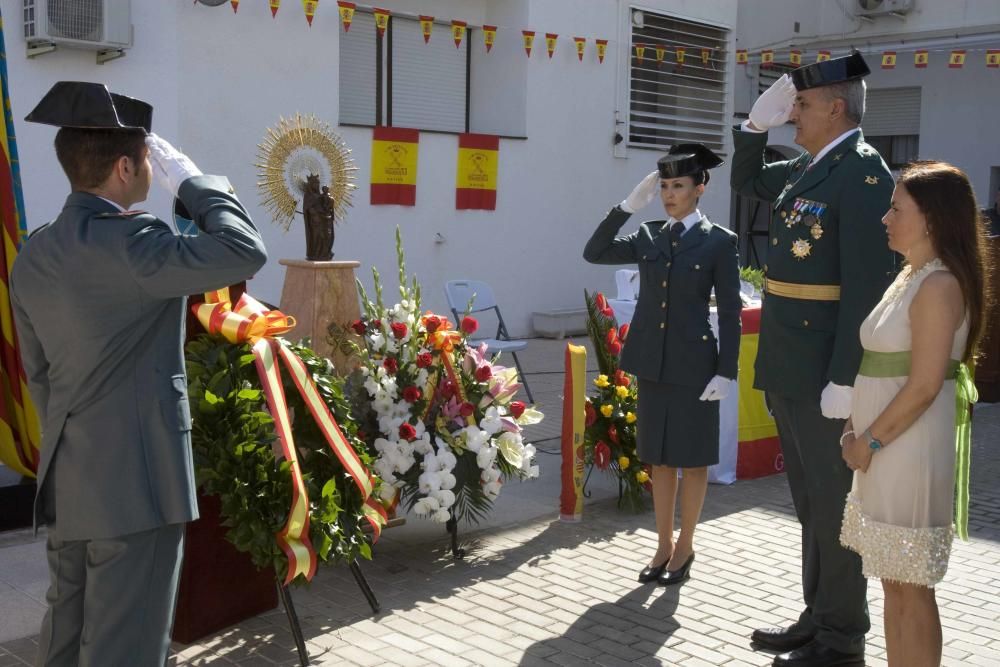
[831, 71]
[687, 160]
[87, 105]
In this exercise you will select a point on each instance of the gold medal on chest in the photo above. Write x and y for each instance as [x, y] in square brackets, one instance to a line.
[801, 249]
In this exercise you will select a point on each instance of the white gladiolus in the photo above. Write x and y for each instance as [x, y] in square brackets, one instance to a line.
[377, 341]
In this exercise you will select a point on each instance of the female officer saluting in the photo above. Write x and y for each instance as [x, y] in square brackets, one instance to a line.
[671, 348]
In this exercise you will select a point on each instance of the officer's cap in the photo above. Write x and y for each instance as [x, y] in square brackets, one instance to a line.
[831, 71]
[86, 105]
[687, 160]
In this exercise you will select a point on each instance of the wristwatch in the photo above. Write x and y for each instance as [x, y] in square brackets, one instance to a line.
[873, 443]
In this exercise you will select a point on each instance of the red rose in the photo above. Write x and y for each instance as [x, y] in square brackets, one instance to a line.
[362, 435]
[615, 348]
[648, 485]
[390, 364]
[621, 379]
[613, 434]
[611, 336]
[467, 409]
[591, 413]
[398, 329]
[517, 408]
[447, 390]
[602, 455]
[407, 432]
[411, 394]
[377, 324]
[484, 373]
[600, 302]
[432, 323]
[424, 359]
[608, 312]
[359, 327]
[469, 325]
[623, 331]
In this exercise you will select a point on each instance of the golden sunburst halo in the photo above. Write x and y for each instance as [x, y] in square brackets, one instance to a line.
[292, 150]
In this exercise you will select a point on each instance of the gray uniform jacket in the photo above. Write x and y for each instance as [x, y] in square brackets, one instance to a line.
[99, 305]
[670, 338]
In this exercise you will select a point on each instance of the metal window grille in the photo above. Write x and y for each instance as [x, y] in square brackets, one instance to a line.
[671, 102]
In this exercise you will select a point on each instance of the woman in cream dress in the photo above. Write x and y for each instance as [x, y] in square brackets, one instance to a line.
[901, 438]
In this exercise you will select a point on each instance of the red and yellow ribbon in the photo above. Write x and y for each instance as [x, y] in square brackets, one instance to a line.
[252, 323]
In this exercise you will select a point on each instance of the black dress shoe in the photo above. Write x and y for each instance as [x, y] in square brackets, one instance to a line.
[815, 654]
[652, 572]
[668, 578]
[781, 639]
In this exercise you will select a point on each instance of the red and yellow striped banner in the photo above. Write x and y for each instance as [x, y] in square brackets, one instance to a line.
[767, 58]
[957, 59]
[550, 43]
[274, 4]
[921, 59]
[661, 53]
[235, 4]
[346, 11]
[602, 48]
[476, 181]
[458, 32]
[759, 451]
[822, 55]
[426, 26]
[529, 40]
[640, 51]
[679, 54]
[381, 20]
[394, 166]
[581, 45]
[888, 60]
[489, 36]
[742, 57]
[993, 58]
[706, 55]
[309, 7]
[795, 57]
[573, 426]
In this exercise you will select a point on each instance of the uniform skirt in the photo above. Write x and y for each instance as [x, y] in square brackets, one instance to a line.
[674, 428]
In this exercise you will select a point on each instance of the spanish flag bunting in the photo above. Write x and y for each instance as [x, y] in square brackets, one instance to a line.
[822, 55]
[458, 32]
[640, 51]
[706, 54]
[274, 7]
[381, 20]
[602, 48]
[529, 40]
[581, 45]
[957, 59]
[550, 42]
[394, 166]
[235, 4]
[426, 25]
[993, 58]
[679, 53]
[309, 6]
[476, 180]
[489, 36]
[920, 59]
[888, 60]
[661, 53]
[795, 57]
[742, 57]
[346, 10]
[767, 58]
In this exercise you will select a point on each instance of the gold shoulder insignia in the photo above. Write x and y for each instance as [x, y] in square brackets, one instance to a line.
[871, 180]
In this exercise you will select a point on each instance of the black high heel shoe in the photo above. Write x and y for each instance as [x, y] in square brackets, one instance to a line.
[652, 572]
[682, 574]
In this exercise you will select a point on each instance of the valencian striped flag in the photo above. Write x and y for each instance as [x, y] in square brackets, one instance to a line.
[394, 166]
[476, 182]
[19, 433]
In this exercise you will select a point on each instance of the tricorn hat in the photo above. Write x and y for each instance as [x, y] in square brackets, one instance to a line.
[827, 72]
[87, 105]
[687, 160]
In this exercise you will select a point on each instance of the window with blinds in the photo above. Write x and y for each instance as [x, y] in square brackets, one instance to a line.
[892, 124]
[400, 81]
[672, 102]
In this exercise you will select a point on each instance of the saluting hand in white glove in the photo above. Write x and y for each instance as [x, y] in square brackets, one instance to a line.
[835, 401]
[642, 194]
[170, 166]
[774, 106]
[717, 389]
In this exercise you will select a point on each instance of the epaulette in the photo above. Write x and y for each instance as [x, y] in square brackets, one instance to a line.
[121, 214]
[867, 151]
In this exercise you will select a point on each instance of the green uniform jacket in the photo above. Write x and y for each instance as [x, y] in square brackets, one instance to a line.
[670, 338]
[825, 229]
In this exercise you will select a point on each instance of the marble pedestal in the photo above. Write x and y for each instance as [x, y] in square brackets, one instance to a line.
[317, 294]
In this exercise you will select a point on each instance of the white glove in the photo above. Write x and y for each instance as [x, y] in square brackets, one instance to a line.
[774, 106]
[642, 194]
[717, 389]
[835, 402]
[170, 166]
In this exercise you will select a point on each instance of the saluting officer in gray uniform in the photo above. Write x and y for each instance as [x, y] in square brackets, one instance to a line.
[98, 298]
[827, 266]
[682, 371]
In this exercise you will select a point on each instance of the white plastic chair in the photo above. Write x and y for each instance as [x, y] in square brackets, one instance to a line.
[460, 293]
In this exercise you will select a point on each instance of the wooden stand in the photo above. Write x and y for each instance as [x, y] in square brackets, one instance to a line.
[317, 294]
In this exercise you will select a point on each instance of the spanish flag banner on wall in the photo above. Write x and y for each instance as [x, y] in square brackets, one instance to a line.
[309, 7]
[476, 181]
[346, 11]
[888, 59]
[759, 451]
[529, 40]
[920, 59]
[274, 4]
[394, 166]
[956, 59]
[458, 32]
[795, 57]
[602, 48]
[426, 27]
[993, 58]
[742, 57]
[489, 36]
[822, 55]
[581, 45]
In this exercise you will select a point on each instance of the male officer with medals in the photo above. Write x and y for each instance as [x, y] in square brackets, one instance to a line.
[828, 264]
[98, 299]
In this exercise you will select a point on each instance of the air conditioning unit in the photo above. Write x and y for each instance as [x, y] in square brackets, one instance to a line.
[869, 8]
[98, 25]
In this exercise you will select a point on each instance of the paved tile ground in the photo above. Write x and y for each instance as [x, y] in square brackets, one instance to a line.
[535, 591]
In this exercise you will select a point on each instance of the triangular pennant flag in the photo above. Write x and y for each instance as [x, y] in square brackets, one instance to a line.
[640, 51]
[822, 55]
[795, 57]
[993, 58]
[381, 20]
[888, 60]
[679, 54]
[529, 40]
[489, 36]
[550, 42]
[346, 10]
[957, 59]
[706, 55]
[742, 57]
[274, 7]
[235, 4]
[661, 53]
[581, 45]
[767, 58]
[602, 48]
[309, 7]
[426, 25]
[458, 32]
[920, 59]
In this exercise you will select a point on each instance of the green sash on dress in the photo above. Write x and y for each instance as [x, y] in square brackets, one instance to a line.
[897, 364]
